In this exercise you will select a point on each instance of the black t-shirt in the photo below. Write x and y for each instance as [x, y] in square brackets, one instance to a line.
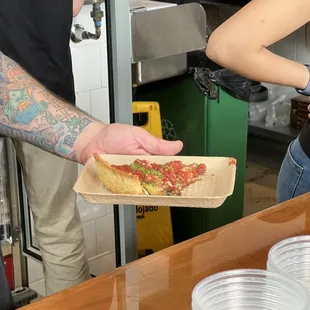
[36, 34]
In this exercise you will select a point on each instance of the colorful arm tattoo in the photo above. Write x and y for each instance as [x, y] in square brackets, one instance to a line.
[31, 113]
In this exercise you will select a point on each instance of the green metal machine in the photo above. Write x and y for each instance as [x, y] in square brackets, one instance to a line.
[208, 127]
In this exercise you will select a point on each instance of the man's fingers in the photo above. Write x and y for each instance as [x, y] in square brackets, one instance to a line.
[157, 146]
[168, 147]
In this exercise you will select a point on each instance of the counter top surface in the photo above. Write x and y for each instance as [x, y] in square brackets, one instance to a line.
[165, 280]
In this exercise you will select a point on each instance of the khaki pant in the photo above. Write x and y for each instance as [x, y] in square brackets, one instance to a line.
[49, 181]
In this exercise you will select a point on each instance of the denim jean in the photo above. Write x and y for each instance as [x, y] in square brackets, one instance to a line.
[294, 176]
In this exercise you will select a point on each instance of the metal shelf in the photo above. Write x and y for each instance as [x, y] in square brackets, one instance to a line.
[281, 134]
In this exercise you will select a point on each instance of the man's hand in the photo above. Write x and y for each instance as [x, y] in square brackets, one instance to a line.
[31, 113]
[127, 140]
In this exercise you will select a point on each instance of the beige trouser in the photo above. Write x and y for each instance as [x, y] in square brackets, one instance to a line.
[57, 225]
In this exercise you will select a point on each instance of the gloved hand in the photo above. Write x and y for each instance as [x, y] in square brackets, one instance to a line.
[127, 140]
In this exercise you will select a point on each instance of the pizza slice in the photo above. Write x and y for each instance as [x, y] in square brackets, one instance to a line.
[143, 177]
[117, 181]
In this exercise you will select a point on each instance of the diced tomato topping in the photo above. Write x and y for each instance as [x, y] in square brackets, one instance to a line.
[175, 165]
[139, 174]
[143, 163]
[189, 177]
[172, 177]
[232, 162]
[124, 168]
[201, 169]
[182, 177]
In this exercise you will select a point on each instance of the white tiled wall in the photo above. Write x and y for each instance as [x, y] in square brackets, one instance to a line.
[91, 85]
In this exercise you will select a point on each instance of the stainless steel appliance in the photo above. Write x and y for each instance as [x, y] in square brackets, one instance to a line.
[161, 37]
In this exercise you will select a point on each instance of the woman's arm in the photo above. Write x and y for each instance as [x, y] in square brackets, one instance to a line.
[31, 113]
[77, 6]
[240, 44]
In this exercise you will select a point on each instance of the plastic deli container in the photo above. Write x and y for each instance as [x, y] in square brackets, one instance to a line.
[246, 289]
[291, 257]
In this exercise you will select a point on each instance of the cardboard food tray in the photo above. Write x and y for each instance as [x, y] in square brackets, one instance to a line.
[211, 192]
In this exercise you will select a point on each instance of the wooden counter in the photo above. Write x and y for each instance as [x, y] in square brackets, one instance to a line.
[165, 280]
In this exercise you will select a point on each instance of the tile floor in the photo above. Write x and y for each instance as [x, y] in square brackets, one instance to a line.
[263, 164]
[260, 188]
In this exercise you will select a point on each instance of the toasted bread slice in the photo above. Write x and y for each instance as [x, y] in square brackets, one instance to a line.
[116, 180]
[153, 189]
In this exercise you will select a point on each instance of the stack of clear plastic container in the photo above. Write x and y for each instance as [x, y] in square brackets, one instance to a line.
[249, 289]
[291, 257]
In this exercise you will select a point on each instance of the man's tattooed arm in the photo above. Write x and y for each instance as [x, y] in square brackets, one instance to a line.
[31, 113]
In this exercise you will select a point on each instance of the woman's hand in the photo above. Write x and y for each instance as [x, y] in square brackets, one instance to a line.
[128, 140]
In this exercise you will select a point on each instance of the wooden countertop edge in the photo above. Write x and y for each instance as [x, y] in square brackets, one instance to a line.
[192, 242]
